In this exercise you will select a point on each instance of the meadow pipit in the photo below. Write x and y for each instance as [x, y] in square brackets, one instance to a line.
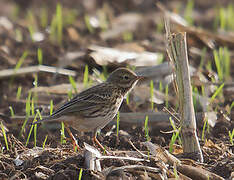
[95, 107]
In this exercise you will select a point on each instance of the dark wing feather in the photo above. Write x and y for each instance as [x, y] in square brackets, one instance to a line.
[85, 101]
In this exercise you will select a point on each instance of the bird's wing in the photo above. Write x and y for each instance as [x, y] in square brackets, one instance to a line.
[85, 104]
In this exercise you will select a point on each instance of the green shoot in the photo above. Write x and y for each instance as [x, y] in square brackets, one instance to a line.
[160, 26]
[4, 135]
[31, 32]
[86, 76]
[147, 128]
[80, 173]
[225, 18]
[30, 131]
[127, 98]
[35, 133]
[31, 24]
[32, 107]
[39, 56]
[18, 35]
[117, 125]
[51, 107]
[28, 108]
[63, 137]
[44, 142]
[104, 151]
[19, 64]
[73, 83]
[218, 91]
[56, 26]
[166, 96]
[152, 94]
[189, 11]
[102, 16]
[59, 19]
[209, 65]
[227, 62]
[230, 109]
[203, 90]
[18, 94]
[218, 65]
[69, 94]
[231, 135]
[12, 111]
[204, 128]
[127, 36]
[222, 62]
[160, 58]
[28, 104]
[173, 140]
[105, 71]
[222, 16]
[175, 135]
[21, 60]
[70, 16]
[44, 17]
[88, 24]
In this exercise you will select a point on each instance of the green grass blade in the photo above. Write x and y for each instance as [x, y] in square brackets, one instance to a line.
[30, 132]
[218, 91]
[18, 94]
[231, 134]
[152, 94]
[51, 107]
[21, 60]
[227, 63]
[39, 56]
[44, 142]
[12, 111]
[189, 12]
[59, 20]
[147, 128]
[88, 24]
[28, 108]
[73, 83]
[117, 125]
[204, 128]
[5, 137]
[127, 98]
[63, 137]
[218, 65]
[86, 76]
[80, 173]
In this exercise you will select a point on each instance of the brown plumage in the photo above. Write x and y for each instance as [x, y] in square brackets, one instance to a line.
[95, 107]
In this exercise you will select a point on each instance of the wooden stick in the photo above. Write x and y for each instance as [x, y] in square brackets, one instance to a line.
[33, 69]
[177, 52]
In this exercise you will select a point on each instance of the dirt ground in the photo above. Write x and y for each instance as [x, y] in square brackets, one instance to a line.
[129, 26]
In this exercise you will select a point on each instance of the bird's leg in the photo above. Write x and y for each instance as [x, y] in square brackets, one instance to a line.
[74, 140]
[95, 140]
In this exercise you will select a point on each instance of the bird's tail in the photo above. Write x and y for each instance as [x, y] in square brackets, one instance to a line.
[44, 119]
[48, 119]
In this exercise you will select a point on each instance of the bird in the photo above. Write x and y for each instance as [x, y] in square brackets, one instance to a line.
[93, 108]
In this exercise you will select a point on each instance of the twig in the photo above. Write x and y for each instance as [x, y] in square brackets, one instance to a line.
[32, 69]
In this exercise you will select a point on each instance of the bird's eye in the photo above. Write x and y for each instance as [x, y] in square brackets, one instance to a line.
[126, 77]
